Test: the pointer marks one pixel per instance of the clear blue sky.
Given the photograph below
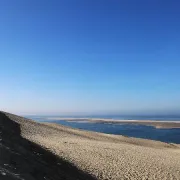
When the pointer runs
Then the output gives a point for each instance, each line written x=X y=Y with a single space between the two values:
x=90 y=56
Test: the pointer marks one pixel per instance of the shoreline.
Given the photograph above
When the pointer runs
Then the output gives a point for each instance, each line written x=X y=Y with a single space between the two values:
x=156 y=124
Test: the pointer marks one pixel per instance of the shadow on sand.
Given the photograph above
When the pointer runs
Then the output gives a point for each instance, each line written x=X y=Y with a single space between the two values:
x=24 y=160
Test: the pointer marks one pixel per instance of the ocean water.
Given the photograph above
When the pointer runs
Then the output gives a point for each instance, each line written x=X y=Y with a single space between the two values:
x=138 y=131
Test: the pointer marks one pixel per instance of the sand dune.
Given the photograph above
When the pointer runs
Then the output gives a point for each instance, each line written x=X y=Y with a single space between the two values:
x=105 y=156
x=21 y=159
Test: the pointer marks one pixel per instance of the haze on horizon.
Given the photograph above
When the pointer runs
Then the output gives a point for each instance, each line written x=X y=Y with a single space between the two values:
x=90 y=57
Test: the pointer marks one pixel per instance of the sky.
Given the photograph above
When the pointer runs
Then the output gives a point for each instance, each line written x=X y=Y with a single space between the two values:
x=93 y=56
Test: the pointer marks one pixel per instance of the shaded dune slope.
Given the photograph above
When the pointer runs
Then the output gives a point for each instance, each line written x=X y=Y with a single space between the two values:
x=22 y=159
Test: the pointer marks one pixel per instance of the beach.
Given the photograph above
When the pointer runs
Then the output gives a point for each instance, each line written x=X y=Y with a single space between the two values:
x=103 y=156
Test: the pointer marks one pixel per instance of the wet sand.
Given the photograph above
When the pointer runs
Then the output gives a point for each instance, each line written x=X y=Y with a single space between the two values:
x=104 y=156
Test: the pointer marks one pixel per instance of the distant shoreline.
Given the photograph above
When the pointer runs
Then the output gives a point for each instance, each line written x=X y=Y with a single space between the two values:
x=156 y=124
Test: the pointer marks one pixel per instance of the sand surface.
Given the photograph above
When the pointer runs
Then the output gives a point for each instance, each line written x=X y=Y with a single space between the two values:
x=21 y=159
x=105 y=156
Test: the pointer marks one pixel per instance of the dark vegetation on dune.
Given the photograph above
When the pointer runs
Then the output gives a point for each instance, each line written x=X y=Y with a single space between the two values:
x=23 y=160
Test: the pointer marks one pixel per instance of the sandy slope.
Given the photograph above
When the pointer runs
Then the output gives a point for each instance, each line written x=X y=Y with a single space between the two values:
x=106 y=156
x=21 y=159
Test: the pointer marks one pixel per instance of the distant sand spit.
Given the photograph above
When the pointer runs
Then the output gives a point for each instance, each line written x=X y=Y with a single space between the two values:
x=105 y=156
x=157 y=124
